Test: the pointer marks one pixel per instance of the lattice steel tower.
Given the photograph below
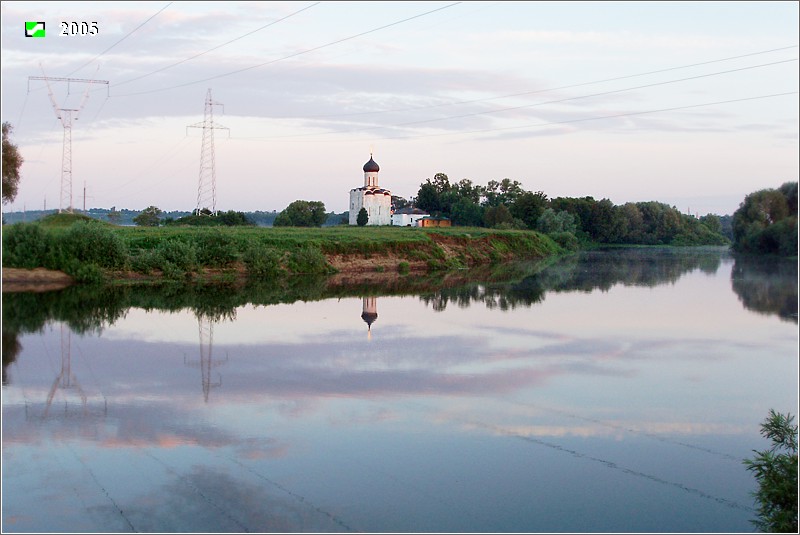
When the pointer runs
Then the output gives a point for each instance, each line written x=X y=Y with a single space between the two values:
x=66 y=116
x=205 y=326
x=207 y=183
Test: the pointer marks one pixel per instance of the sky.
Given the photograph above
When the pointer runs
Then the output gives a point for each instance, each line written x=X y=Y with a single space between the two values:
x=694 y=104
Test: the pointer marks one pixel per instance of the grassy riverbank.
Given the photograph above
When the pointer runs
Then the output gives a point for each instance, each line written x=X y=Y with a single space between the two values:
x=92 y=251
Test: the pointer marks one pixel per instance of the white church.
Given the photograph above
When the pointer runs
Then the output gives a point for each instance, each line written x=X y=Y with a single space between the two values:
x=376 y=200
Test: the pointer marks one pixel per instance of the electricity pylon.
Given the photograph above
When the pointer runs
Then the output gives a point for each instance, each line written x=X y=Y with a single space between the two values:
x=206 y=329
x=66 y=116
x=65 y=380
x=207 y=183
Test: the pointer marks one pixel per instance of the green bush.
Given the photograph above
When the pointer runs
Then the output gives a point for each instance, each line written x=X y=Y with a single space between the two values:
x=25 y=245
x=403 y=268
x=172 y=271
x=85 y=273
x=567 y=240
x=262 y=262
x=215 y=249
x=181 y=255
x=94 y=243
x=308 y=260
x=146 y=261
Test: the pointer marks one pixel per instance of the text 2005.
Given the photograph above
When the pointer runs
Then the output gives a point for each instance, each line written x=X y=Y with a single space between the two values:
x=79 y=28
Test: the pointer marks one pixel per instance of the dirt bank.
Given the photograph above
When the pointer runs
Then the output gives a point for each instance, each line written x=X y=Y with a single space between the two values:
x=34 y=280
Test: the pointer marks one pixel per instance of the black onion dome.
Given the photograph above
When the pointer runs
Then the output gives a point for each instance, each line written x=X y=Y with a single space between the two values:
x=369 y=318
x=371 y=166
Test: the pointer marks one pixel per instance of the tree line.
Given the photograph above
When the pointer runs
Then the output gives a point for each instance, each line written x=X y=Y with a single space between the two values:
x=569 y=220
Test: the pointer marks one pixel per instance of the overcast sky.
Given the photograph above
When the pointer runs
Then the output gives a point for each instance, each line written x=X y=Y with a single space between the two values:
x=689 y=103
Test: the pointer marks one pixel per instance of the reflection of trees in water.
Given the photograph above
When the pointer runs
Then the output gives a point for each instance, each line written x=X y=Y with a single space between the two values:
x=588 y=271
x=89 y=309
x=11 y=348
x=766 y=285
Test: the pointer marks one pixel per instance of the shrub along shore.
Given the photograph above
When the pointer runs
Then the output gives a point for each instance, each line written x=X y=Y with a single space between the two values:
x=92 y=251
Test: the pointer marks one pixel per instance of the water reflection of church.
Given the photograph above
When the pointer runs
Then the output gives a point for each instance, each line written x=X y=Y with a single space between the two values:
x=369 y=313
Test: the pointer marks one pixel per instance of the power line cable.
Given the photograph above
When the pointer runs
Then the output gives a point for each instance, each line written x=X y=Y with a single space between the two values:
x=218 y=46
x=118 y=42
x=627 y=114
x=512 y=108
x=533 y=92
x=555 y=123
x=158 y=162
x=24 y=102
x=338 y=41
x=557 y=101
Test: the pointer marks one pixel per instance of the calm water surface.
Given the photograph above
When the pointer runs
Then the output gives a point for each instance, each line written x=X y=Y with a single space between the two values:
x=614 y=392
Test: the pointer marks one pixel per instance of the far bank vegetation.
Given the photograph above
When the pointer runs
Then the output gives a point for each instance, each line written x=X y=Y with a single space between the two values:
x=93 y=251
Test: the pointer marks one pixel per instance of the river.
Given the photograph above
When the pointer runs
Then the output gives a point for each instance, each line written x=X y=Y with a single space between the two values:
x=611 y=391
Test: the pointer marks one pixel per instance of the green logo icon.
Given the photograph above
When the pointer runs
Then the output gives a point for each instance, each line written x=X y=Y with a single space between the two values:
x=34 y=29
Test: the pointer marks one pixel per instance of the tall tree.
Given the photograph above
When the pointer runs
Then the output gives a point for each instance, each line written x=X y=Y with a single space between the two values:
x=529 y=207
x=399 y=202
x=504 y=192
x=150 y=217
x=497 y=215
x=12 y=161
x=302 y=214
x=467 y=213
x=766 y=222
x=362 y=218
x=428 y=198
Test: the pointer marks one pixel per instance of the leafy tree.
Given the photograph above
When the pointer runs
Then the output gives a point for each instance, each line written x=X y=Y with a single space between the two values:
x=605 y=223
x=633 y=223
x=529 y=207
x=789 y=190
x=466 y=212
x=659 y=221
x=712 y=222
x=12 y=161
x=428 y=198
x=233 y=219
x=362 y=218
x=150 y=217
x=399 y=202
x=766 y=222
x=302 y=214
x=775 y=470
x=580 y=208
x=441 y=182
x=552 y=222
x=504 y=192
x=494 y=216
x=467 y=190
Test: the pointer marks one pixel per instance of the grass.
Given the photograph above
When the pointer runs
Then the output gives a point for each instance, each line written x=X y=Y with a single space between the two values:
x=86 y=248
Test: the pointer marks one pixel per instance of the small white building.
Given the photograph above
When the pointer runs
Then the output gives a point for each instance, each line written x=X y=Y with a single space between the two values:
x=408 y=216
x=376 y=200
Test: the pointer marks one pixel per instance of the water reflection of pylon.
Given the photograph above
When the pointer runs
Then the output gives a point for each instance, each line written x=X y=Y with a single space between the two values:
x=206 y=329
x=66 y=380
